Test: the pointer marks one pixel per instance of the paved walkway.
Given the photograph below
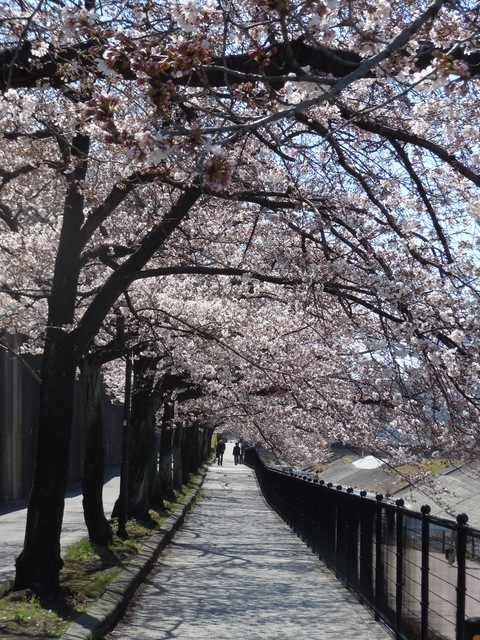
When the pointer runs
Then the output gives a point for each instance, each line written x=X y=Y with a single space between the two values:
x=13 y=520
x=236 y=571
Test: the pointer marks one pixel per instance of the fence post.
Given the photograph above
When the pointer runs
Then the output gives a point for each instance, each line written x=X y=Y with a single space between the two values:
x=399 y=573
x=366 y=550
x=462 y=520
x=339 y=534
x=352 y=541
x=425 y=509
x=379 y=578
x=332 y=525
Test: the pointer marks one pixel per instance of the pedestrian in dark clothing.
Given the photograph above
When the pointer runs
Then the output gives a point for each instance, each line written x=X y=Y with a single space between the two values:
x=236 y=452
x=220 y=451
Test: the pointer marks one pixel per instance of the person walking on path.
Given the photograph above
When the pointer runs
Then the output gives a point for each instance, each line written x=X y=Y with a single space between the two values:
x=236 y=453
x=220 y=451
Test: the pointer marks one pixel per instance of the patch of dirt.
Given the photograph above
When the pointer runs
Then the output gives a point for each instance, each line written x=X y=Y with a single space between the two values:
x=23 y=614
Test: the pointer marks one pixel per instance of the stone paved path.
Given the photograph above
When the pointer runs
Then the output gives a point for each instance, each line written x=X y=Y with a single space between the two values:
x=235 y=571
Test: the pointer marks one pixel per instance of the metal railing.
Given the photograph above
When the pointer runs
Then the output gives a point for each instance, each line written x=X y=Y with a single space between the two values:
x=418 y=574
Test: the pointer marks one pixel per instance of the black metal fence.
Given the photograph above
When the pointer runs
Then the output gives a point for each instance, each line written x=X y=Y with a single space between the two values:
x=418 y=574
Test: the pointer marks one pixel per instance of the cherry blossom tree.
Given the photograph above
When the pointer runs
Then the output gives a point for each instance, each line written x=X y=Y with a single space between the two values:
x=315 y=163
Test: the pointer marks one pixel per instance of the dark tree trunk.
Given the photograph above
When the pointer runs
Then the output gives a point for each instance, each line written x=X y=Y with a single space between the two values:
x=187 y=453
x=39 y=563
x=195 y=449
x=99 y=529
x=145 y=404
x=156 y=494
x=165 y=465
x=210 y=444
x=199 y=445
x=178 y=441
x=146 y=400
x=207 y=443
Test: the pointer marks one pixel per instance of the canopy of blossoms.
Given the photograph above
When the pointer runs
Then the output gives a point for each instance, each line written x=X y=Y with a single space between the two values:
x=319 y=278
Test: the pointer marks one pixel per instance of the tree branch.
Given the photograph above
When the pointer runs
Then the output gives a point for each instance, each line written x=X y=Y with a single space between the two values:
x=128 y=271
x=21 y=69
x=405 y=136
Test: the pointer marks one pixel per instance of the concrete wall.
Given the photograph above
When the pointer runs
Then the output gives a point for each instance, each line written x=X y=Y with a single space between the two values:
x=19 y=403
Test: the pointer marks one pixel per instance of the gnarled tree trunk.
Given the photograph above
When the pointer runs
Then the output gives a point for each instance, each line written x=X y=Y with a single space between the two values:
x=207 y=443
x=39 y=563
x=166 y=443
x=146 y=400
x=178 y=441
x=99 y=529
